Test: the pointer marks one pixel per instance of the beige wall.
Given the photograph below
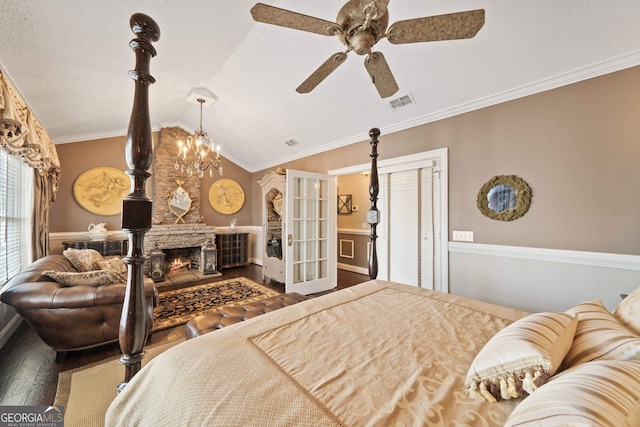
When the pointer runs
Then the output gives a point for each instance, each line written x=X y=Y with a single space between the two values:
x=75 y=158
x=577 y=146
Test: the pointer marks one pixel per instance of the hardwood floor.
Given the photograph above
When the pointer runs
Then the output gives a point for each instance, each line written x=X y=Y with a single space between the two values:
x=29 y=374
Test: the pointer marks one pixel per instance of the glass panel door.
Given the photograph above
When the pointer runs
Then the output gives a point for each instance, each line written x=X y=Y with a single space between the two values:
x=310 y=228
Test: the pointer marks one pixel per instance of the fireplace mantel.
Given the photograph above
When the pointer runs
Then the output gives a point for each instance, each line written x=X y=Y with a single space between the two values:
x=178 y=236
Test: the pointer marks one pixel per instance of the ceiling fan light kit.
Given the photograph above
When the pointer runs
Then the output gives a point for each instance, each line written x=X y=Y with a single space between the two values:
x=360 y=24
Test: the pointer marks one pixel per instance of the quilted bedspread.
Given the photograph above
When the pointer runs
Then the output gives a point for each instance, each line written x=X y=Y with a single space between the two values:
x=376 y=354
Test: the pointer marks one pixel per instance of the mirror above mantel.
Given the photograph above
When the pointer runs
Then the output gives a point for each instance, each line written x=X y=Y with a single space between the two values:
x=180 y=201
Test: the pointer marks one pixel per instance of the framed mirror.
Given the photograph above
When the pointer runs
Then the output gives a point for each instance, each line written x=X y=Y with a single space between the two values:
x=504 y=198
x=180 y=202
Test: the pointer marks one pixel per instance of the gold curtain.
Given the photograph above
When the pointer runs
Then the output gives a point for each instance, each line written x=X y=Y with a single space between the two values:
x=22 y=135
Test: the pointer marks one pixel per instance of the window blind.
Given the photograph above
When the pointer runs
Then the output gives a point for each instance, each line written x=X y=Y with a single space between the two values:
x=16 y=190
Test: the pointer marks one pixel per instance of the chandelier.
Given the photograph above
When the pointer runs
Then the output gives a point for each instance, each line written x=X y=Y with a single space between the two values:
x=193 y=156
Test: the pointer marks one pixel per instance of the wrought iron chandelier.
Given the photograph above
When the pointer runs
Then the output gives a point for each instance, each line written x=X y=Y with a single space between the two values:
x=193 y=156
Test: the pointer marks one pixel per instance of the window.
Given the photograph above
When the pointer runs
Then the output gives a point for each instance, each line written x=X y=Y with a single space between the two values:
x=16 y=198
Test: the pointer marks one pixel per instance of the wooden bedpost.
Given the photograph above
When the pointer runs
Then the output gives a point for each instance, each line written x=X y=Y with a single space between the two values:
x=137 y=206
x=373 y=214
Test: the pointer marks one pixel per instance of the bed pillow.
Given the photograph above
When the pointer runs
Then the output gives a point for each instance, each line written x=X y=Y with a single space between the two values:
x=600 y=336
x=521 y=357
x=602 y=393
x=85 y=278
x=628 y=311
x=83 y=259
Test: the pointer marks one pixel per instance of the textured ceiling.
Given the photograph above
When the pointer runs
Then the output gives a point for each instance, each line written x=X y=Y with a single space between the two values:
x=70 y=61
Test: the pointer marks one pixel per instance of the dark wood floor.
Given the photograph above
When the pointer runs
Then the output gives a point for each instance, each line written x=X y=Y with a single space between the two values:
x=29 y=374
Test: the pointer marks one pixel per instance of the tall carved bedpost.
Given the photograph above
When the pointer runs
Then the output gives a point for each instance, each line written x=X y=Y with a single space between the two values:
x=136 y=206
x=373 y=216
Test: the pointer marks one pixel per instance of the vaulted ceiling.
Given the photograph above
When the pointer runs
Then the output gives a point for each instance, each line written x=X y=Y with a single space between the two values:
x=70 y=59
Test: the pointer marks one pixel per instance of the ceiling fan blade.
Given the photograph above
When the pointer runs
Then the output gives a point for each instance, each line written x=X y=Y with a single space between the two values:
x=452 y=26
x=322 y=72
x=286 y=18
x=381 y=75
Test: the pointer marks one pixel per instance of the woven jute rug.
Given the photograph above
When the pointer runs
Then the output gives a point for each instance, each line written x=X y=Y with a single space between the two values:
x=87 y=392
x=181 y=305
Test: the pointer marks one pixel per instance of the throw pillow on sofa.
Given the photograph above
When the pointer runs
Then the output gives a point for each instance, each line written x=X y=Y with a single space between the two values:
x=83 y=259
x=115 y=265
x=85 y=278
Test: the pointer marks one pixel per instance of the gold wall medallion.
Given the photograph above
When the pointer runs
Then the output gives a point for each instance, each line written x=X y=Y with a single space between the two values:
x=226 y=196
x=101 y=190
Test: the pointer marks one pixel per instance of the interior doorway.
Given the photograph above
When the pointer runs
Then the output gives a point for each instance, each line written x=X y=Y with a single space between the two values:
x=413 y=229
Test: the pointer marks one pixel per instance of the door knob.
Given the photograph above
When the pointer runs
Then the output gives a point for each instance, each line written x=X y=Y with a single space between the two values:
x=289 y=240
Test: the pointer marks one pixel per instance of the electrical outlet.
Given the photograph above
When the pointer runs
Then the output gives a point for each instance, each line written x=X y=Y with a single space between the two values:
x=463 y=236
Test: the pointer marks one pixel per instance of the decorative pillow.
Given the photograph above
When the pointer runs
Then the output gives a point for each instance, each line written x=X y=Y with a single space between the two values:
x=83 y=259
x=600 y=393
x=113 y=263
x=599 y=336
x=628 y=311
x=521 y=357
x=86 y=278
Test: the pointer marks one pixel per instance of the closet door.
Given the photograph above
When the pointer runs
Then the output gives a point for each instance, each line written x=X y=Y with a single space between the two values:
x=311 y=232
x=410 y=226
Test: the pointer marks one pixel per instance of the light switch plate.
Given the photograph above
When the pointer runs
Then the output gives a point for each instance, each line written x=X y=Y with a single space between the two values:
x=463 y=236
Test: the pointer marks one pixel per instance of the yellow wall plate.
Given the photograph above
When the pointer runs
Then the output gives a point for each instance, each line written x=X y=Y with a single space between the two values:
x=101 y=190
x=226 y=196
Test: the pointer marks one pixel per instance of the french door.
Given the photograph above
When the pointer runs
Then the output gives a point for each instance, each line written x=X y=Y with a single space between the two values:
x=310 y=227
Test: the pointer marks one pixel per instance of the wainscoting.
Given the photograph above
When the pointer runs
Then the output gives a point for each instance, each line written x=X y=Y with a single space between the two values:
x=535 y=279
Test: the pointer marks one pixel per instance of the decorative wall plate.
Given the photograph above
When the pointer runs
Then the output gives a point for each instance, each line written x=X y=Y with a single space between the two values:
x=101 y=190
x=226 y=196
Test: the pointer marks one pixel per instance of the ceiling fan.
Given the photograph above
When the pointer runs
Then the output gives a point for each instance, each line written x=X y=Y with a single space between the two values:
x=360 y=25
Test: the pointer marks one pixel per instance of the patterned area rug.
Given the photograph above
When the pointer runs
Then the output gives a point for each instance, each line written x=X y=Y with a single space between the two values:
x=179 y=306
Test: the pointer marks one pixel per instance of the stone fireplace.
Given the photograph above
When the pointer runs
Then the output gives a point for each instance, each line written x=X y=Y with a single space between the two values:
x=164 y=175
x=182 y=246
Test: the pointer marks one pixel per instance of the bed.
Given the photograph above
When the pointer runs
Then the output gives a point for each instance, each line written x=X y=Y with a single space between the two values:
x=378 y=353
x=375 y=354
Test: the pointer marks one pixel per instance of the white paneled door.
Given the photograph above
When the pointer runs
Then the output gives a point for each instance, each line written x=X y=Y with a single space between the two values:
x=310 y=226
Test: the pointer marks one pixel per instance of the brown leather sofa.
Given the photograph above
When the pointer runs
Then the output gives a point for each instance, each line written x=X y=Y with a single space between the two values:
x=69 y=318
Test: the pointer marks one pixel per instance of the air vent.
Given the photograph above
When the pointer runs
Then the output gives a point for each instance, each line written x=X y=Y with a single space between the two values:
x=291 y=142
x=401 y=102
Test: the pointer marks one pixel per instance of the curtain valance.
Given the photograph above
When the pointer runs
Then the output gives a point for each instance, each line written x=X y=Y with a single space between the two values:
x=22 y=134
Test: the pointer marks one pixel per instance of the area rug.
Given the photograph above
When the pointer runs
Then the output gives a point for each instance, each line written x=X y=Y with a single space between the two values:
x=179 y=306
x=87 y=392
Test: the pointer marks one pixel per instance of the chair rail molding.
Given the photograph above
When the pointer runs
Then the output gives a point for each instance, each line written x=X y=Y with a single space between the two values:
x=596 y=259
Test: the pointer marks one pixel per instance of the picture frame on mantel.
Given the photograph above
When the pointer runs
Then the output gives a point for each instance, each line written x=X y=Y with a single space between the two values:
x=345 y=204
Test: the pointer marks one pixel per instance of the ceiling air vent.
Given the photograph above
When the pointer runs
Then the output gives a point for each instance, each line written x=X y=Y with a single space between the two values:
x=291 y=142
x=403 y=101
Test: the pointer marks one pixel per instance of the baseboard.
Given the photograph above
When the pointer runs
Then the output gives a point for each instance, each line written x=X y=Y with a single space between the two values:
x=596 y=259
x=10 y=329
x=353 y=268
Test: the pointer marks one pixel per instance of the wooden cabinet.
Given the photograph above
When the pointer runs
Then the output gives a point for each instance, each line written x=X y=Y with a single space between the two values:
x=232 y=249
x=273 y=259
x=107 y=247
